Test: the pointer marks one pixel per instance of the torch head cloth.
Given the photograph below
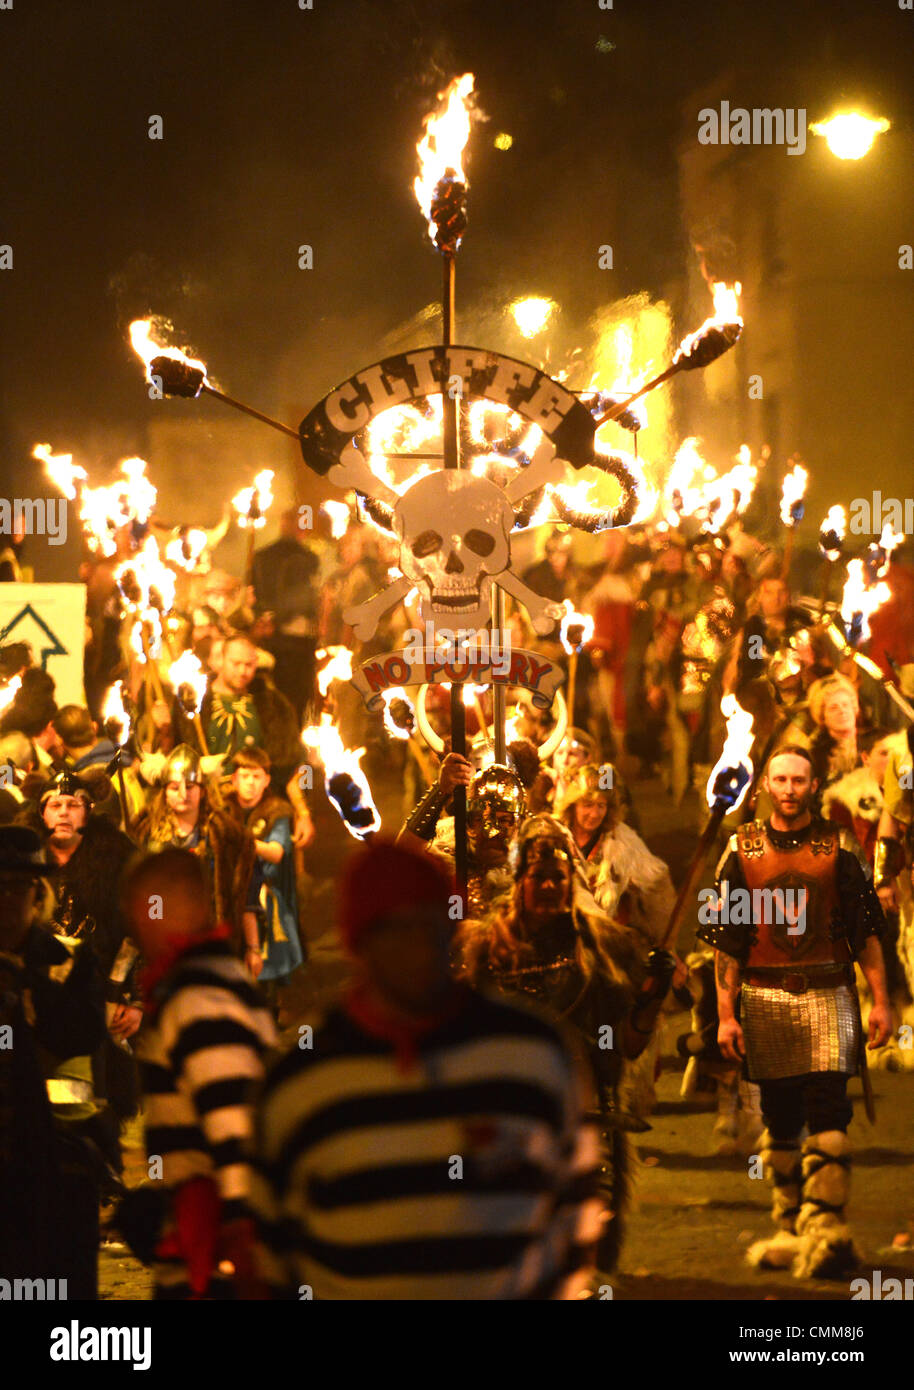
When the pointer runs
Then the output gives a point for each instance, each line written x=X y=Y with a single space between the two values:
x=384 y=879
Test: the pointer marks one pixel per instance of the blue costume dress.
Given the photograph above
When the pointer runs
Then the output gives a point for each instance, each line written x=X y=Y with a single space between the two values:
x=276 y=896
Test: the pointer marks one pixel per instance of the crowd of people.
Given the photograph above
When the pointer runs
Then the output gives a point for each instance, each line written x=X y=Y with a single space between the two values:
x=457 y=1119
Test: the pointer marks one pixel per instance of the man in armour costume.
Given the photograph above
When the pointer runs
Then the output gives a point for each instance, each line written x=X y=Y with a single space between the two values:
x=495 y=808
x=795 y=909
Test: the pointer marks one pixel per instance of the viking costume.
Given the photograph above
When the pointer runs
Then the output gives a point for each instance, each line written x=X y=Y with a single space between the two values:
x=634 y=888
x=496 y=802
x=273 y=885
x=580 y=969
x=225 y=847
x=101 y=1091
x=812 y=910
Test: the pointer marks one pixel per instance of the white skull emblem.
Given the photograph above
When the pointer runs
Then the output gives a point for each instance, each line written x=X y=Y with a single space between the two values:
x=453 y=531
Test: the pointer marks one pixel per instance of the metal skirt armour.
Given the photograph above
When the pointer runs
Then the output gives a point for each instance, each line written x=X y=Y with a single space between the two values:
x=791 y=1034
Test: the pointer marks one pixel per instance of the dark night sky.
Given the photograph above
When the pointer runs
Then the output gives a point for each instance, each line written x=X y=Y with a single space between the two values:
x=283 y=126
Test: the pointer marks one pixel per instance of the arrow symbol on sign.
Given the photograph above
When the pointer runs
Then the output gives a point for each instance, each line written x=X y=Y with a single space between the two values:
x=36 y=633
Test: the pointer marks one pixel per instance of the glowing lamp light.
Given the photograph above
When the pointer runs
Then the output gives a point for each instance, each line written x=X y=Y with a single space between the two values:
x=850 y=134
x=532 y=314
x=503 y=141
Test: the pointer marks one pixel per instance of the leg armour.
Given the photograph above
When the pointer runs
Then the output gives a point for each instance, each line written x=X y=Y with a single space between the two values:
x=826 y=1247
x=782 y=1164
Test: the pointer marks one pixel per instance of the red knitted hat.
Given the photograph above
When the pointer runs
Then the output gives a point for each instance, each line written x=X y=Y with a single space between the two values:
x=384 y=878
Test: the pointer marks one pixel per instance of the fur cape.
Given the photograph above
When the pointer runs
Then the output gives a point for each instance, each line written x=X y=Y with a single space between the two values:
x=628 y=866
x=227 y=850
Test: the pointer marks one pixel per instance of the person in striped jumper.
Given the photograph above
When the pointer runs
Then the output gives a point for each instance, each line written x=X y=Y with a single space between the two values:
x=207 y=1029
x=423 y=1141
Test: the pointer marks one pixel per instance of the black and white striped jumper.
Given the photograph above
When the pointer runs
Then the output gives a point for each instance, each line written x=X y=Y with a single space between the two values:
x=470 y=1175
x=200 y=1058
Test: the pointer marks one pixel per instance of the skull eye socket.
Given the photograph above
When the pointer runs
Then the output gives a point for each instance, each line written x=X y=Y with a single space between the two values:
x=480 y=542
x=426 y=543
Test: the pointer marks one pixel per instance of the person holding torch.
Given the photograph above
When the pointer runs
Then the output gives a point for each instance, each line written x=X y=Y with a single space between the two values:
x=794 y=908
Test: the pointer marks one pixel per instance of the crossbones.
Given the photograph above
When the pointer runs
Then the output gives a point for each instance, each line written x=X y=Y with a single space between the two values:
x=454 y=532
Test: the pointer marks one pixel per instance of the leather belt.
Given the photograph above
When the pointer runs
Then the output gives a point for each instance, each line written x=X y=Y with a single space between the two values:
x=799 y=981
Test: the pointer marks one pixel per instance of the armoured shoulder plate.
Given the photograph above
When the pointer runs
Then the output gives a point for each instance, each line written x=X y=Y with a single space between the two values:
x=824 y=840
x=751 y=839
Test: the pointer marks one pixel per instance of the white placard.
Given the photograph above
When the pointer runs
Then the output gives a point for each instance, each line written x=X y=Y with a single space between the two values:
x=52 y=619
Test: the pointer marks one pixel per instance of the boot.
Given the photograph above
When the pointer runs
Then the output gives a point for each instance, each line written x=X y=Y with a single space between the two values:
x=826 y=1249
x=781 y=1158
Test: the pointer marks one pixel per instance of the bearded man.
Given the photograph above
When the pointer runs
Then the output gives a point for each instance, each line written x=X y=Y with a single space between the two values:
x=795 y=909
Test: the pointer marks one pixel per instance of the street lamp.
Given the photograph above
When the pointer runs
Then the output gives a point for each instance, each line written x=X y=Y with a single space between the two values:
x=850 y=134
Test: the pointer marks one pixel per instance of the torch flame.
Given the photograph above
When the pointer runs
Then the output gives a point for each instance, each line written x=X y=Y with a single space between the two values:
x=396 y=692
x=251 y=503
x=835 y=521
x=324 y=739
x=115 y=711
x=441 y=148
x=792 y=492
x=8 y=692
x=61 y=469
x=860 y=600
x=145 y=346
x=578 y=620
x=339 y=515
x=726 y=315
x=735 y=752
x=338 y=668
x=188 y=673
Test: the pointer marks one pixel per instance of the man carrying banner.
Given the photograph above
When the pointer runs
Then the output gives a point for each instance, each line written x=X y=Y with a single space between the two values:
x=795 y=909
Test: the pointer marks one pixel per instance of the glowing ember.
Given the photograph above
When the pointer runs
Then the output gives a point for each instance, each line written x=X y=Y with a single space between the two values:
x=792 y=494
x=346 y=783
x=732 y=773
x=61 y=469
x=251 y=503
x=338 y=668
x=532 y=314
x=576 y=629
x=441 y=148
x=176 y=373
x=188 y=678
x=850 y=134
x=860 y=600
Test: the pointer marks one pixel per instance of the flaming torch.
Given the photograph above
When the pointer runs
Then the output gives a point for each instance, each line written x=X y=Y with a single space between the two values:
x=172 y=373
x=188 y=680
x=793 y=491
x=727 y=786
x=441 y=191
x=400 y=723
x=251 y=504
x=575 y=632
x=345 y=782
x=61 y=470
x=831 y=544
x=116 y=724
x=699 y=349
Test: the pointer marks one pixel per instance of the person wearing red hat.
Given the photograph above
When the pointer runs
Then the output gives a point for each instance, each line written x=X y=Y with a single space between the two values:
x=422 y=1141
